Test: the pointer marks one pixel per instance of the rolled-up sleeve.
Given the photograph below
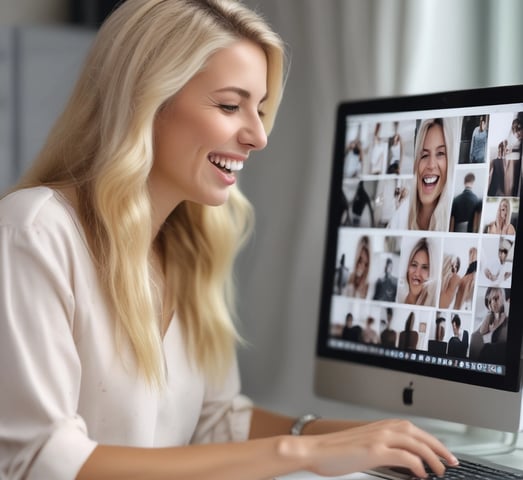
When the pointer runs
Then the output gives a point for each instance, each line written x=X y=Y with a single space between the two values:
x=41 y=435
x=226 y=413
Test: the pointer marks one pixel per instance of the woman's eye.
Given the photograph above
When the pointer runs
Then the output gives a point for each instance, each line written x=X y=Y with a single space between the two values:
x=229 y=108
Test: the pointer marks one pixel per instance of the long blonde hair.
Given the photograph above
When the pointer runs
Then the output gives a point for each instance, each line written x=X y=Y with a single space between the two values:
x=500 y=223
x=102 y=144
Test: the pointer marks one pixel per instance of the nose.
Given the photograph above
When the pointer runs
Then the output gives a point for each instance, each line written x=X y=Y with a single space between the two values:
x=253 y=134
x=431 y=163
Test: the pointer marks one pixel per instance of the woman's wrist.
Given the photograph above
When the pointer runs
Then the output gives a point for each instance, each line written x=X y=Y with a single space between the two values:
x=301 y=422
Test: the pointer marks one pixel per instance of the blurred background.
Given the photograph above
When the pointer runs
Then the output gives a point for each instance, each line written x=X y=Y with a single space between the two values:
x=339 y=50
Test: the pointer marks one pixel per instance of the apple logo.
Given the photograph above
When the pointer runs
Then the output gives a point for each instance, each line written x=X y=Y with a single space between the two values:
x=407 y=394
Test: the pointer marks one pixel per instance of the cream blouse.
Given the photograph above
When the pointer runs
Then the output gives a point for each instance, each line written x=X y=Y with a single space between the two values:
x=63 y=387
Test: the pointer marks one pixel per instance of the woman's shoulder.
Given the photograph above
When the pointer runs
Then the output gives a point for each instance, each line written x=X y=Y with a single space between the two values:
x=34 y=206
x=40 y=219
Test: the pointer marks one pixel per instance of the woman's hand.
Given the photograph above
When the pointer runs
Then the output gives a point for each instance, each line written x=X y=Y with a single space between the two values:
x=384 y=443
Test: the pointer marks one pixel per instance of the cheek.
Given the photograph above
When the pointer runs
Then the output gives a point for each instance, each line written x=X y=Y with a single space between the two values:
x=419 y=170
x=443 y=169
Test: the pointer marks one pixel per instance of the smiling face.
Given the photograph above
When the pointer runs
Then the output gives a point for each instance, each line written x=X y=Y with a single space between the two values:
x=432 y=167
x=206 y=132
x=418 y=272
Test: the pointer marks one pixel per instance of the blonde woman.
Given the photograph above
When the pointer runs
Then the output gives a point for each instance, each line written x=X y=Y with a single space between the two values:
x=428 y=204
x=419 y=285
x=358 y=283
x=501 y=225
x=116 y=332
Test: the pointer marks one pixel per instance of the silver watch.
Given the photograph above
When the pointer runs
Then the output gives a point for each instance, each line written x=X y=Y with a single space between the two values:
x=300 y=423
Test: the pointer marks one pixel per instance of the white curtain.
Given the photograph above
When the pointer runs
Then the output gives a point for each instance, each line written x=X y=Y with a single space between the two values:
x=341 y=49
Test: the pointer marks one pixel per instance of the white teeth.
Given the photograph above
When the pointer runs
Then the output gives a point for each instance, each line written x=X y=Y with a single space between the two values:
x=236 y=165
x=232 y=165
x=430 y=180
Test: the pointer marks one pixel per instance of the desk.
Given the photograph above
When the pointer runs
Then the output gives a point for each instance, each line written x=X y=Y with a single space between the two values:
x=310 y=476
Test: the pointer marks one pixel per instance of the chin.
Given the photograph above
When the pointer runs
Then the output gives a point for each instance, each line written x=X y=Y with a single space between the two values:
x=216 y=200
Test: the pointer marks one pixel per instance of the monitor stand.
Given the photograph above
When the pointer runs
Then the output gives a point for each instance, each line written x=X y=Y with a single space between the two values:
x=475 y=441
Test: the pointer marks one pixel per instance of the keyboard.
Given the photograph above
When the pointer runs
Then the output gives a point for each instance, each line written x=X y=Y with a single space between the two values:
x=468 y=469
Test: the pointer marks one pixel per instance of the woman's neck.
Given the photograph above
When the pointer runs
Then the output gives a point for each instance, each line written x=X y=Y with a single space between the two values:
x=424 y=216
x=412 y=298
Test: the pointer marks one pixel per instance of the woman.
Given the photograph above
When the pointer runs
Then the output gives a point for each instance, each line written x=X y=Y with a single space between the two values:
x=358 y=284
x=490 y=328
x=353 y=159
x=434 y=157
x=488 y=342
x=449 y=280
x=419 y=282
x=378 y=152
x=116 y=332
x=501 y=225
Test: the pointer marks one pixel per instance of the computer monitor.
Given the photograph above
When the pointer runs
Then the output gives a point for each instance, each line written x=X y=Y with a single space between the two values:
x=421 y=311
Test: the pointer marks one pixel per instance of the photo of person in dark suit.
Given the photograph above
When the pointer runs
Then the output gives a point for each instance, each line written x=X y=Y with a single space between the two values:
x=387 y=285
x=499 y=171
x=438 y=346
x=459 y=342
x=466 y=208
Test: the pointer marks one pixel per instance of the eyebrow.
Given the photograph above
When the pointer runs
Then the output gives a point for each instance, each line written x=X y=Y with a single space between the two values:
x=437 y=146
x=241 y=92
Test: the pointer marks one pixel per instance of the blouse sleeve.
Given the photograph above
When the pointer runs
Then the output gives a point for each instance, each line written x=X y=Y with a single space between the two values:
x=226 y=414
x=41 y=435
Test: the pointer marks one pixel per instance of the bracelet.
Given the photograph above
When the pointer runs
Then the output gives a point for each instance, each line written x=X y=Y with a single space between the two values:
x=300 y=423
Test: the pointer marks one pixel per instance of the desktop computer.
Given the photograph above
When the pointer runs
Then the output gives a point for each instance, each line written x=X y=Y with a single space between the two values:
x=421 y=312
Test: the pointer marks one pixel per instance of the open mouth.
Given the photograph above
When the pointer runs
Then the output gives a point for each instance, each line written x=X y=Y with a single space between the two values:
x=430 y=180
x=225 y=164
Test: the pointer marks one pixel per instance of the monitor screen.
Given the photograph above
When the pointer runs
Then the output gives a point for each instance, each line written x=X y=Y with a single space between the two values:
x=423 y=253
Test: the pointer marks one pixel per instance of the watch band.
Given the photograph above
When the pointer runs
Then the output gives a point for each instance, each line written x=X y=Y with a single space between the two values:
x=300 y=423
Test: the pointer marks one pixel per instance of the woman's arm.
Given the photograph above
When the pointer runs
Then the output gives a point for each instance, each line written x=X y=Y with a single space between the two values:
x=389 y=442
x=266 y=424
x=254 y=459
